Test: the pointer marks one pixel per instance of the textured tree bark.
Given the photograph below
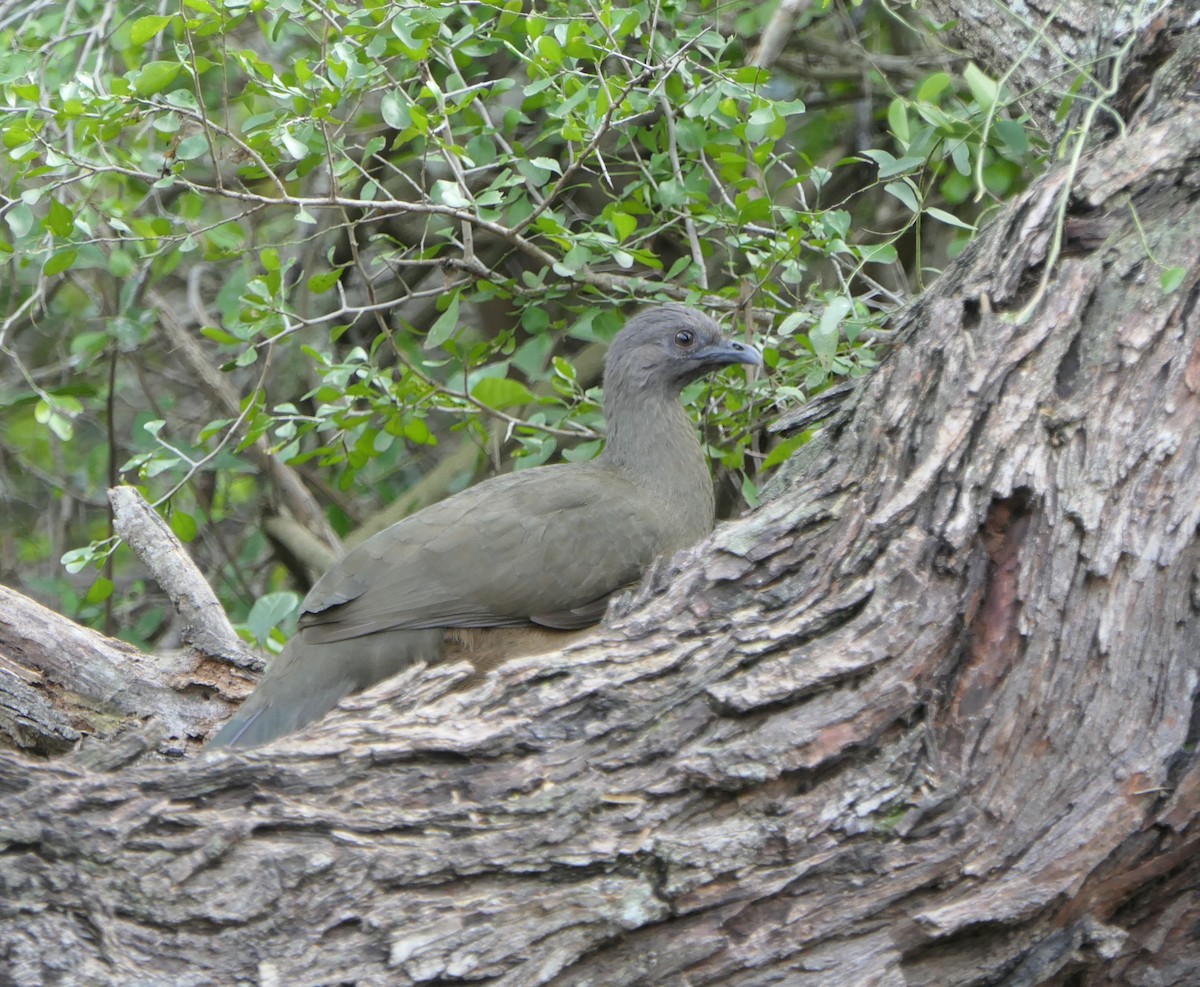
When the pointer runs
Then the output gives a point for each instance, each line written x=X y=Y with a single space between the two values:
x=927 y=717
x=1045 y=49
x=60 y=682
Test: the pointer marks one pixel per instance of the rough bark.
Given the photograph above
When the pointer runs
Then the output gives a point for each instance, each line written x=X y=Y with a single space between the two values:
x=1045 y=52
x=60 y=682
x=926 y=717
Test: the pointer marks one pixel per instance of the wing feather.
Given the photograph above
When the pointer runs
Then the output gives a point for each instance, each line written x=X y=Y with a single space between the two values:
x=548 y=546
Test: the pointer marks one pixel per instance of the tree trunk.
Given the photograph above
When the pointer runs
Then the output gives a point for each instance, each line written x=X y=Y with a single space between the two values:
x=924 y=718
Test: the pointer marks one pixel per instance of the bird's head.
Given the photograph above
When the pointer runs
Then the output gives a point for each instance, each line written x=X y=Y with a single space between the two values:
x=666 y=348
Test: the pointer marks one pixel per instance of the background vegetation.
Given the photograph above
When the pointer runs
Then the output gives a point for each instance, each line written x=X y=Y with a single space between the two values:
x=372 y=251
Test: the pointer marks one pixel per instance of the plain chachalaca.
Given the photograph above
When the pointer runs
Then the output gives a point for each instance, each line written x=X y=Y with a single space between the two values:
x=506 y=567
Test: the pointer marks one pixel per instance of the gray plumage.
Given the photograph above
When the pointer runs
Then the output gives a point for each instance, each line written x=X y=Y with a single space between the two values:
x=546 y=547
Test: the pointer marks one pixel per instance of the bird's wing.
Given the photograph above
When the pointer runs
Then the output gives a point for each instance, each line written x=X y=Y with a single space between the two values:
x=547 y=546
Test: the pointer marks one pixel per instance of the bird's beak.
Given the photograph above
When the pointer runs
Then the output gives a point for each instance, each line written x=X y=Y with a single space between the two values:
x=728 y=352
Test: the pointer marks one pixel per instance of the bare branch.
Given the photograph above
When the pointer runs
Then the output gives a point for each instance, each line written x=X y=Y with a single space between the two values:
x=205 y=625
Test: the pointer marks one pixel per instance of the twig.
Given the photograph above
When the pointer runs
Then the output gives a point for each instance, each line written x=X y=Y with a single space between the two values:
x=205 y=625
x=1068 y=182
x=689 y=224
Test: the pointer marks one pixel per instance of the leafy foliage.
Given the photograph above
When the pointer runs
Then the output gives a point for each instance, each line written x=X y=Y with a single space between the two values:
x=399 y=230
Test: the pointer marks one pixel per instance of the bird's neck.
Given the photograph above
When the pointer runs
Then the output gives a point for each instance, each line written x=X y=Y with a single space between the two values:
x=653 y=441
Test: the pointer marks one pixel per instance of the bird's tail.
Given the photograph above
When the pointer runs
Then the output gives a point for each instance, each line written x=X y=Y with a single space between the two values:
x=306 y=680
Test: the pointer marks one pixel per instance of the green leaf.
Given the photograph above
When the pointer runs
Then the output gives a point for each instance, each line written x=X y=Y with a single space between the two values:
x=269 y=612
x=905 y=192
x=950 y=220
x=184 y=525
x=89 y=344
x=512 y=10
x=1015 y=137
x=500 y=392
x=984 y=90
x=792 y=323
x=60 y=221
x=898 y=120
x=879 y=156
x=295 y=147
x=824 y=336
x=78 y=559
x=318 y=284
x=782 y=452
x=99 y=591
x=448 y=193
x=960 y=155
x=154 y=77
x=145 y=28
x=394 y=110
x=623 y=224
x=933 y=87
x=749 y=490
x=900 y=166
x=60 y=262
x=192 y=147
x=220 y=336
x=416 y=431
x=549 y=48
x=46 y=414
x=583 y=452
x=1171 y=278
x=120 y=263
x=573 y=261
x=878 y=253
x=414 y=47
x=536 y=175
x=998 y=177
x=19 y=219
x=445 y=326
x=547 y=164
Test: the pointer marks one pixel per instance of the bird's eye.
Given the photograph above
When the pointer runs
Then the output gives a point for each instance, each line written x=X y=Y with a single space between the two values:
x=685 y=337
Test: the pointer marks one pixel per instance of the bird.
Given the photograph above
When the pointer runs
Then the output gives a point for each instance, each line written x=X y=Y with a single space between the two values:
x=514 y=564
